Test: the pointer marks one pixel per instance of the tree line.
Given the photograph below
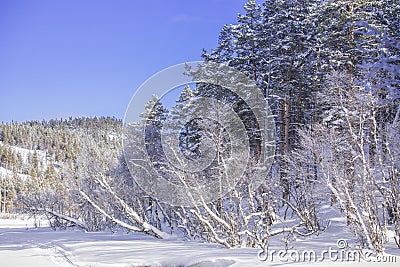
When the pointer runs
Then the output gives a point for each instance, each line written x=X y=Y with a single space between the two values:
x=330 y=73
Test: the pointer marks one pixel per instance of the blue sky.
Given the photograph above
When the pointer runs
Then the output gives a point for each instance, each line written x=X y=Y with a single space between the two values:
x=61 y=58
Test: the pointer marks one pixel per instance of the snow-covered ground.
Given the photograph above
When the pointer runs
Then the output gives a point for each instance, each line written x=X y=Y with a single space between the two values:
x=25 y=154
x=6 y=173
x=24 y=246
x=28 y=153
x=21 y=244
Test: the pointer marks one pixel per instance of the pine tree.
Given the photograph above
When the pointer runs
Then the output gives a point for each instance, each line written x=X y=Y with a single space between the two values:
x=35 y=162
x=190 y=133
x=224 y=53
x=248 y=45
x=154 y=116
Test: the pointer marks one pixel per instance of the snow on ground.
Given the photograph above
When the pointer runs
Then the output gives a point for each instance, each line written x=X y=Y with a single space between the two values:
x=45 y=247
x=5 y=172
x=25 y=154
x=28 y=153
x=23 y=245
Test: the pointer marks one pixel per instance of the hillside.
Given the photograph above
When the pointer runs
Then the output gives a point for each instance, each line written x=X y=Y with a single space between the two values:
x=286 y=136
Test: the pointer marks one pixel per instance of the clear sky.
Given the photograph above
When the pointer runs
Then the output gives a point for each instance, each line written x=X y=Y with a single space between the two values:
x=61 y=58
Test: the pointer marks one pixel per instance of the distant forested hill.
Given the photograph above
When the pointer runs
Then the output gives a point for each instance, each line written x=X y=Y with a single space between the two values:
x=330 y=73
x=37 y=158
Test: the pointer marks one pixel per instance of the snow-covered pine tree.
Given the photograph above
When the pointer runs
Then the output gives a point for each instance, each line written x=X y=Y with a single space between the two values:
x=154 y=116
x=224 y=52
x=189 y=134
x=289 y=79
